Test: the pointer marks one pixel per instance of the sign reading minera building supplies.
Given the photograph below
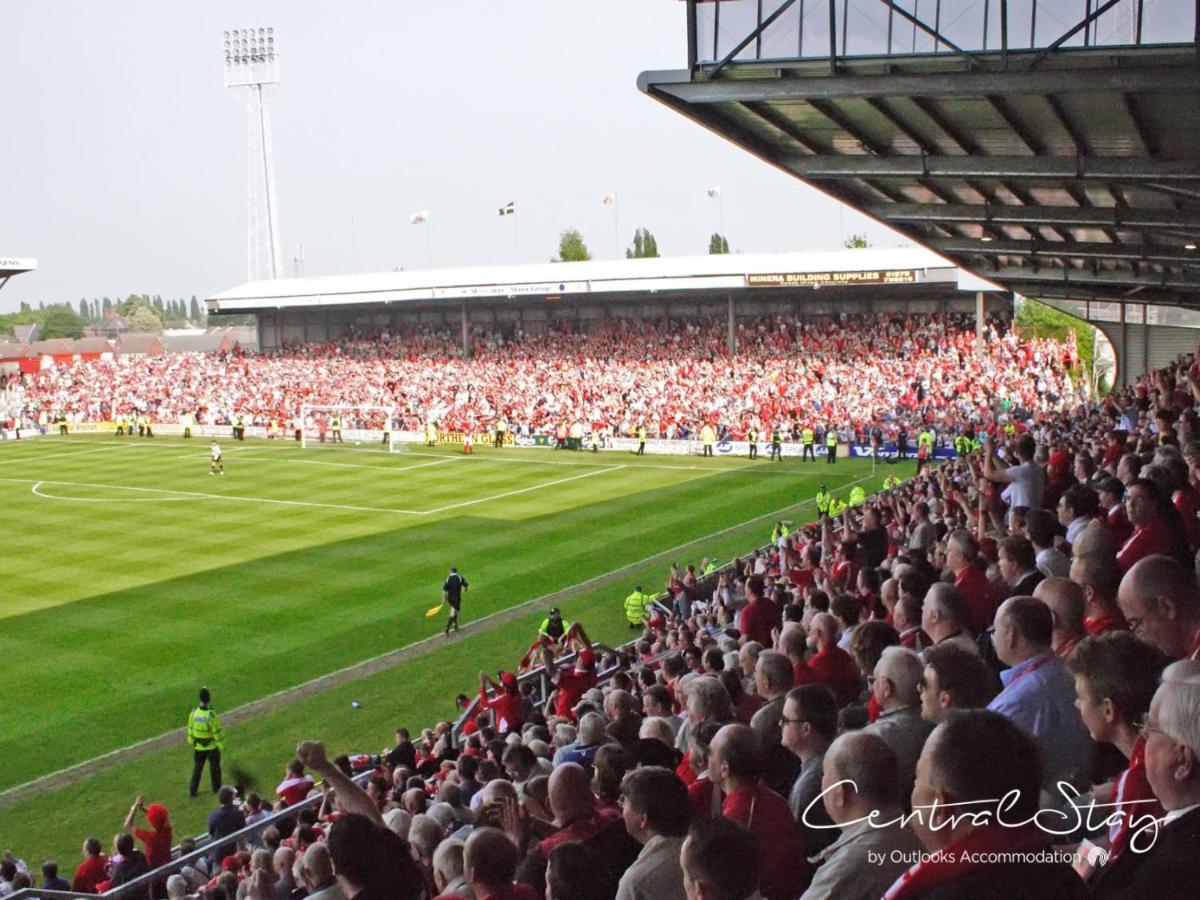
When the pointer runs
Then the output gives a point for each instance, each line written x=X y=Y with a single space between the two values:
x=813 y=279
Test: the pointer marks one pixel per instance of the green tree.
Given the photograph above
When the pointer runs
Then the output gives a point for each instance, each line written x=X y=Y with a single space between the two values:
x=717 y=244
x=571 y=247
x=143 y=319
x=856 y=242
x=60 y=321
x=644 y=245
x=25 y=307
x=194 y=309
x=107 y=305
x=84 y=312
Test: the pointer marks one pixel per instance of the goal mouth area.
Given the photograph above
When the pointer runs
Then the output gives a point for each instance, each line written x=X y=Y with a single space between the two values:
x=358 y=424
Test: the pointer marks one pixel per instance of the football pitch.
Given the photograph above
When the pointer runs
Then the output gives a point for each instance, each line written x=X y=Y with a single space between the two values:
x=130 y=577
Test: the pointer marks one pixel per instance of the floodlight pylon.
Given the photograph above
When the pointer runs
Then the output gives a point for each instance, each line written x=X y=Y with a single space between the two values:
x=251 y=66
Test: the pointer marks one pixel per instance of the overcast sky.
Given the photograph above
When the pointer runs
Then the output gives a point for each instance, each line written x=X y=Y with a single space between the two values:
x=124 y=156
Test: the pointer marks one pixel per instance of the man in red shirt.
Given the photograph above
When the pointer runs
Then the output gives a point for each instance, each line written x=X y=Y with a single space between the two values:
x=572 y=682
x=759 y=616
x=506 y=705
x=1151 y=533
x=490 y=860
x=830 y=665
x=735 y=766
x=1099 y=577
x=962 y=555
x=93 y=870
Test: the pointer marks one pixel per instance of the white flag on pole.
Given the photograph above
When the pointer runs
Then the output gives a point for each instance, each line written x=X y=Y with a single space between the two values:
x=714 y=191
x=418 y=217
x=609 y=199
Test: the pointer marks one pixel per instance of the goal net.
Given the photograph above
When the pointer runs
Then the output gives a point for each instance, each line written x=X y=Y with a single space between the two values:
x=332 y=425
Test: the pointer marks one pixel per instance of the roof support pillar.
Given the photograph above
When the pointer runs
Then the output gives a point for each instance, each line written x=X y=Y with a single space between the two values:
x=979 y=316
x=731 y=334
x=466 y=343
x=1123 y=363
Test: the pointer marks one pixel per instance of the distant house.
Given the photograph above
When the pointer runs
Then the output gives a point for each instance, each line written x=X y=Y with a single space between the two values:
x=59 y=350
x=18 y=356
x=91 y=348
x=113 y=325
x=139 y=344
x=26 y=334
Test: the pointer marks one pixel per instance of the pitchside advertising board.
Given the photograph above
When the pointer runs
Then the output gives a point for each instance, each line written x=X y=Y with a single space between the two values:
x=658 y=446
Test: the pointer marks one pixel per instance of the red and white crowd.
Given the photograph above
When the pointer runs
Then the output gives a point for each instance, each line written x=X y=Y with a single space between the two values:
x=669 y=376
x=984 y=683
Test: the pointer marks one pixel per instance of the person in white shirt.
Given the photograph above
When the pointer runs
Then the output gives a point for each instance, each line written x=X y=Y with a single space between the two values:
x=655 y=807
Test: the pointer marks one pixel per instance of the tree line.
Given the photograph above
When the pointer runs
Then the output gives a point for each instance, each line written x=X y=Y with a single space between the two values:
x=573 y=248
x=142 y=312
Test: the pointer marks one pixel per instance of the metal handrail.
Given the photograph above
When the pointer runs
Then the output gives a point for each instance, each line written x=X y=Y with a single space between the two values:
x=204 y=845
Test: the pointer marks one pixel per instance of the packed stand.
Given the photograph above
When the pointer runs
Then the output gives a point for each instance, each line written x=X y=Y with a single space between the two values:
x=851 y=372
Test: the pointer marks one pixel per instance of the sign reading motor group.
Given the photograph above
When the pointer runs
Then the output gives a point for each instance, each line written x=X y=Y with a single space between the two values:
x=816 y=279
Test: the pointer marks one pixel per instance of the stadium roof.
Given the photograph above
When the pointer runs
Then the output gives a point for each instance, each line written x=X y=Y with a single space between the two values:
x=692 y=276
x=11 y=265
x=1031 y=155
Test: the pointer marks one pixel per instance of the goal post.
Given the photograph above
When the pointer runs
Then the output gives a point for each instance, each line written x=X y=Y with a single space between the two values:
x=351 y=423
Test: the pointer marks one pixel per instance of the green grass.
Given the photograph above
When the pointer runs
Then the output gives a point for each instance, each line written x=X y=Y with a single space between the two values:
x=154 y=578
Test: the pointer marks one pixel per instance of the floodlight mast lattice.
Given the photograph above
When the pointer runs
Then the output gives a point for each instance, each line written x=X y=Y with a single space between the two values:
x=251 y=64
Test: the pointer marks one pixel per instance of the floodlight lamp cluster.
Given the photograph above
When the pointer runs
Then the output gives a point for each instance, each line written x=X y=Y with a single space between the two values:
x=248 y=46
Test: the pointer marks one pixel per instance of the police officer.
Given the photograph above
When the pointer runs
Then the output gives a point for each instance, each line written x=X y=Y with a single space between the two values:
x=752 y=440
x=857 y=495
x=776 y=444
x=336 y=427
x=205 y=738
x=553 y=627
x=641 y=436
x=707 y=438
x=452 y=590
x=831 y=442
x=823 y=500
x=635 y=607
x=806 y=444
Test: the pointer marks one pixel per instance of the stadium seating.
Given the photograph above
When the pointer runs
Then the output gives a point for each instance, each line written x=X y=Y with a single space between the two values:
x=670 y=376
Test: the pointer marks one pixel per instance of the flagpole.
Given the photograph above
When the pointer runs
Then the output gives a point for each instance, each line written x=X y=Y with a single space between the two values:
x=516 y=239
x=429 y=241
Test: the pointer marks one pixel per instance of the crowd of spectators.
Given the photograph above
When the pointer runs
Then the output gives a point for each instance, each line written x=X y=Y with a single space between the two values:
x=984 y=682
x=850 y=372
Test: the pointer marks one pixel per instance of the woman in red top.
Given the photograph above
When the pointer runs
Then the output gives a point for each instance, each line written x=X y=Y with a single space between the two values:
x=158 y=840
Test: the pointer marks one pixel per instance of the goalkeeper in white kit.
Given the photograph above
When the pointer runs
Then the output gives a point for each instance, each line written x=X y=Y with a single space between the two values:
x=217 y=465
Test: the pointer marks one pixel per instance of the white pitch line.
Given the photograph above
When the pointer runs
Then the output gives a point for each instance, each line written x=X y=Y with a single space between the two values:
x=199 y=495
x=322 y=462
x=67 y=453
x=35 y=490
x=524 y=490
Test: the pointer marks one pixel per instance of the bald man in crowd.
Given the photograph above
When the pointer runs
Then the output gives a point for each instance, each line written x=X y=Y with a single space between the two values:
x=1158 y=598
x=1064 y=599
x=860 y=780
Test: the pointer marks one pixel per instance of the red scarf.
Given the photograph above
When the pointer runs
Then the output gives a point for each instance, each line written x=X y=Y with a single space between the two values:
x=1133 y=786
x=952 y=862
